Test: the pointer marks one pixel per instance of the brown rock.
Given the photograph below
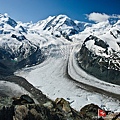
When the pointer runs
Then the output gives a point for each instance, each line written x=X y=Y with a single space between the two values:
x=112 y=116
x=20 y=112
x=90 y=111
x=63 y=104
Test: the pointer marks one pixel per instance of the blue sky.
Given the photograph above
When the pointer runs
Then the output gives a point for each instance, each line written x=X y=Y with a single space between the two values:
x=35 y=10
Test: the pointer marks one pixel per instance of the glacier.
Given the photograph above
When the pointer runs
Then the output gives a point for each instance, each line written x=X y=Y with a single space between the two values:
x=56 y=40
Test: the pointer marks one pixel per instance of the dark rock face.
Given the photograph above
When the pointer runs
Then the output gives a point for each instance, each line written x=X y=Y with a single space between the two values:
x=35 y=57
x=102 y=67
x=97 y=41
x=11 y=22
x=24 y=99
x=19 y=38
x=8 y=64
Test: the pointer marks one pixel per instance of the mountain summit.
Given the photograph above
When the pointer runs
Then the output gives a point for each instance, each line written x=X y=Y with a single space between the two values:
x=6 y=19
x=60 y=25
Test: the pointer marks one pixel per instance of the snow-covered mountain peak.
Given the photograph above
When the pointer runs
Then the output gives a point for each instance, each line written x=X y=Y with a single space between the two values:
x=8 y=25
x=58 y=17
x=59 y=26
x=63 y=19
x=54 y=21
x=62 y=16
x=6 y=19
x=5 y=15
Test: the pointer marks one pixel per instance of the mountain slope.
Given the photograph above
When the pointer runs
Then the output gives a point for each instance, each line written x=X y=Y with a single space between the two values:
x=15 y=47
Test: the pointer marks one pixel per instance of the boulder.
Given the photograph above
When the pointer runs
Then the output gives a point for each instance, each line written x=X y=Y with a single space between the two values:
x=90 y=111
x=23 y=99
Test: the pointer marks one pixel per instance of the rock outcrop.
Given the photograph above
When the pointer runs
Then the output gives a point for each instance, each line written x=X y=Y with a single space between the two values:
x=98 y=59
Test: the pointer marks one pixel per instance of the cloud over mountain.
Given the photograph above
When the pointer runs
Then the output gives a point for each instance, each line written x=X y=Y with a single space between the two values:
x=99 y=17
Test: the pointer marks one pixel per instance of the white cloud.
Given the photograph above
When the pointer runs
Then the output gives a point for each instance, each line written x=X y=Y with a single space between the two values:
x=99 y=17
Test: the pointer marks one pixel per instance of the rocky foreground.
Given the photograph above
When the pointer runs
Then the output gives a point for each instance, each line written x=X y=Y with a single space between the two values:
x=22 y=109
x=40 y=107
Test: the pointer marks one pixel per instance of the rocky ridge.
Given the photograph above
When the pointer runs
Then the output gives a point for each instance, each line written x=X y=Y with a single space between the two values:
x=97 y=58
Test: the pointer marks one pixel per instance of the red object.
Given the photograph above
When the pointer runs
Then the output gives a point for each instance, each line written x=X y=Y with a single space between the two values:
x=101 y=113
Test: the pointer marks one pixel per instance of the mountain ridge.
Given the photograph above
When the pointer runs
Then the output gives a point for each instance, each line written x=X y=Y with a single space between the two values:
x=20 y=40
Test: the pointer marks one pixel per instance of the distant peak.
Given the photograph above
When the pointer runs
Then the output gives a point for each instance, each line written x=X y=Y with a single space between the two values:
x=61 y=16
x=50 y=17
x=6 y=15
x=6 y=19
